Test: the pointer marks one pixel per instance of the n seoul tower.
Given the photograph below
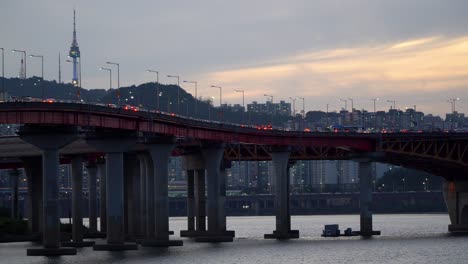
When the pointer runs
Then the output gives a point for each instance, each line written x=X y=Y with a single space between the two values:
x=75 y=55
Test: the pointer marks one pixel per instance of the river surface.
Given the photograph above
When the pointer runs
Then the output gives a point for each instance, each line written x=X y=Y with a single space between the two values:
x=418 y=238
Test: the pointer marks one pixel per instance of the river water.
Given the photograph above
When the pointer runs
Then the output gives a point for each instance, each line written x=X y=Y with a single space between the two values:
x=418 y=238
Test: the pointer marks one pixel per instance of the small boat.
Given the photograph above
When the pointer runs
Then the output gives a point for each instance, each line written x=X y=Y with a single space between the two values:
x=331 y=231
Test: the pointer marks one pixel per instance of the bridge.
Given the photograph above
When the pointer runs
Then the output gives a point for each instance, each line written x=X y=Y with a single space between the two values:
x=129 y=149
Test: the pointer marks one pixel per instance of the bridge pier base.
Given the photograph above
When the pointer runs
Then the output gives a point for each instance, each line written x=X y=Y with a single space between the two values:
x=160 y=150
x=365 y=198
x=216 y=182
x=114 y=146
x=49 y=140
x=283 y=216
x=456 y=198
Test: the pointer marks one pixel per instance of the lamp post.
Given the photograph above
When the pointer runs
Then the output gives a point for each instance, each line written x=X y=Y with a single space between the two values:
x=157 y=87
x=453 y=102
x=220 y=93
x=178 y=90
x=243 y=102
x=352 y=104
x=110 y=75
x=375 y=112
x=42 y=71
x=3 y=74
x=271 y=97
x=293 y=105
x=24 y=52
x=345 y=103
x=394 y=103
x=118 y=78
x=194 y=82
x=303 y=105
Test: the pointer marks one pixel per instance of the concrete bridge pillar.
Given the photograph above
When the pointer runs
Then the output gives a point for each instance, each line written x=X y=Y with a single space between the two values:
x=190 y=200
x=114 y=144
x=33 y=170
x=160 y=150
x=196 y=212
x=14 y=180
x=92 y=197
x=49 y=139
x=365 y=198
x=200 y=200
x=77 y=205
x=150 y=196
x=216 y=183
x=283 y=230
x=101 y=170
x=456 y=198
x=143 y=199
x=136 y=201
x=130 y=196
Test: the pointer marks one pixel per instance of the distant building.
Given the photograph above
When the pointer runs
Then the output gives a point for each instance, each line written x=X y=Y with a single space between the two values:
x=281 y=108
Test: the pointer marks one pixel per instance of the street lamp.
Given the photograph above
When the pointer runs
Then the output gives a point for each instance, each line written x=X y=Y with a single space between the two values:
x=394 y=103
x=118 y=78
x=220 y=93
x=110 y=75
x=3 y=74
x=303 y=105
x=293 y=105
x=178 y=90
x=375 y=99
x=243 y=102
x=194 y=82
x=271 y=97
x=352 y=104
x=42 y=71
x=345 y=103
x=24 y=52
x=157 y=87
x=453 y=102
x=375 y=113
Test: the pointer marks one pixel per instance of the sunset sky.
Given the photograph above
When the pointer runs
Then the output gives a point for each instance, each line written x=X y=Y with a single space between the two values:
x=414 y=52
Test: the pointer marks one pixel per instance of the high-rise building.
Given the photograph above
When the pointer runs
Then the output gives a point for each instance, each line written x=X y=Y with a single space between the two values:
x=75 y=55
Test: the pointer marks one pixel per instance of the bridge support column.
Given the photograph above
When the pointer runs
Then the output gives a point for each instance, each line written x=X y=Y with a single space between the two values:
x=150 y=196
x=196 y=215
x=216 y=182
x=114 y=144
x=283 y=230
x=160 y=150
x=92 y=199
x=33 y=170
x=456 y=198
x=77 y=205
x=365 y=198
x=14 y=179
x=190 y=200
x=130 y=196
x=136 y=201
x=200 y=201
x=49 y=140
x=143 y=199
x=101 y=169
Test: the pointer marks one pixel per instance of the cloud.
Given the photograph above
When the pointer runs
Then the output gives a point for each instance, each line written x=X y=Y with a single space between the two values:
x=423 y=66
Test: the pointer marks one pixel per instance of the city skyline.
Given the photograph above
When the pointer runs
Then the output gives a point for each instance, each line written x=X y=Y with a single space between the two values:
x=417 y=59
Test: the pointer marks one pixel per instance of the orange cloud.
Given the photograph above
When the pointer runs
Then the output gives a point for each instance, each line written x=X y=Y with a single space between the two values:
x=420 y=65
